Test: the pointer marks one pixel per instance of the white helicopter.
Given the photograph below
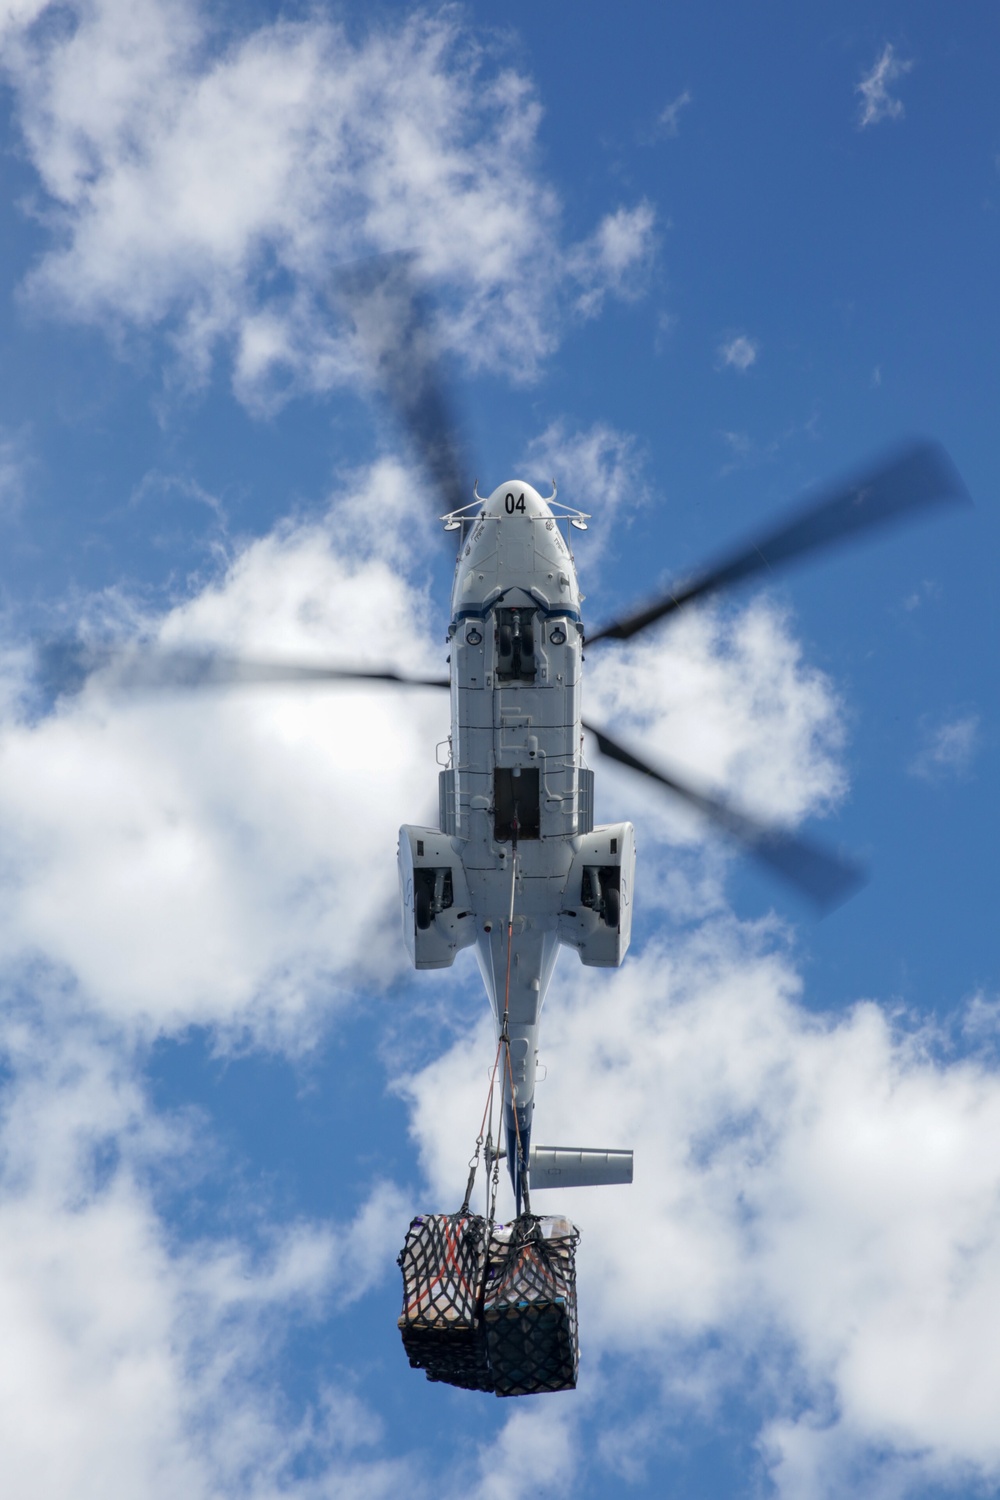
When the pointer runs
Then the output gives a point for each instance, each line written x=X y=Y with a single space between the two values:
x=517 y=867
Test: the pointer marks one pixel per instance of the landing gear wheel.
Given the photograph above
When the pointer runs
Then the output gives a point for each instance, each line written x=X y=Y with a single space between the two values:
x=612 y=906
x=422 y=907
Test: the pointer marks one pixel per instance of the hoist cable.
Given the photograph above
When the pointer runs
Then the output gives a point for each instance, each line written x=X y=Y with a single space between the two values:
x=504 y=1033
x=487 y=1110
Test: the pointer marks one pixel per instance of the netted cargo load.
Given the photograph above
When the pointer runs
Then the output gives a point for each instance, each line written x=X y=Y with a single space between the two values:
x=443 y=1264
x=529 y=1306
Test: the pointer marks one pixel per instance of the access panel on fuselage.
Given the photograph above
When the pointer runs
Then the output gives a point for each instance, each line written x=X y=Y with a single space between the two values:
x=516 y=705
x=536 y=723
x=515 y=803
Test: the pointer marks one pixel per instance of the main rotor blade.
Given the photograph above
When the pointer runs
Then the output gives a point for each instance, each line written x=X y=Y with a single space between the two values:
x=920 y=475
x=392 y=315
x=824 y=877
x=65 y=666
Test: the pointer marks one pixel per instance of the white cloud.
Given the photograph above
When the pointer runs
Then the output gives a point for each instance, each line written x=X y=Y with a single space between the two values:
x=949 y=749
x=211 y=184
x=131 y=1366
x=19 y=13
x=876 y=101
x=813 y=1221
x=534 y=1448
x=668 y=120
x=727 y=698
x=196 y=858
x=616 y=258
x=739 y=352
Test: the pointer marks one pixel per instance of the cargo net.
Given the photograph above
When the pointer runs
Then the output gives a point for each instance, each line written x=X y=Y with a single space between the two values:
x=529 y=1306
x=491 y=1309
x=443 y=1263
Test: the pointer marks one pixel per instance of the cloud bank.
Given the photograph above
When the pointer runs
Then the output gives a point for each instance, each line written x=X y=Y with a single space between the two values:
x=209 y=184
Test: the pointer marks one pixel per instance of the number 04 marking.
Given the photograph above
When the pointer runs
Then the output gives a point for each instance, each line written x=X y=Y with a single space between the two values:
x=511 y=505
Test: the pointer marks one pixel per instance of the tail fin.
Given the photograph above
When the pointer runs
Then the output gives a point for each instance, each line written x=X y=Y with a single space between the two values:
x=565 y=1166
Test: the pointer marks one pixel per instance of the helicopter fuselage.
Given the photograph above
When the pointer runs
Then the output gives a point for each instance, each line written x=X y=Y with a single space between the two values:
x=516 y=836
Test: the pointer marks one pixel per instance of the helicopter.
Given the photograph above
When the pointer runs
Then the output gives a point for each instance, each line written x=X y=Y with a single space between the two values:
x=516 y=867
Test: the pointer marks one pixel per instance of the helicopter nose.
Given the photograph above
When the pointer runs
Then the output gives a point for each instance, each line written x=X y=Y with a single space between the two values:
x=515 y=498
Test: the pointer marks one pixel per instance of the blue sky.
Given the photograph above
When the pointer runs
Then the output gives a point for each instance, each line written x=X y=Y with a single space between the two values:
x=690 y=262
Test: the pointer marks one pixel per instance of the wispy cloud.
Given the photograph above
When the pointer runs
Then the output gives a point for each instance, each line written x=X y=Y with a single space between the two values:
x=928 y=591
x=950 y=749
x=668 y=121
x=747 y=452
x=152 y=1361
x=738 y=353
x=877 y=103
x=616 y=258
